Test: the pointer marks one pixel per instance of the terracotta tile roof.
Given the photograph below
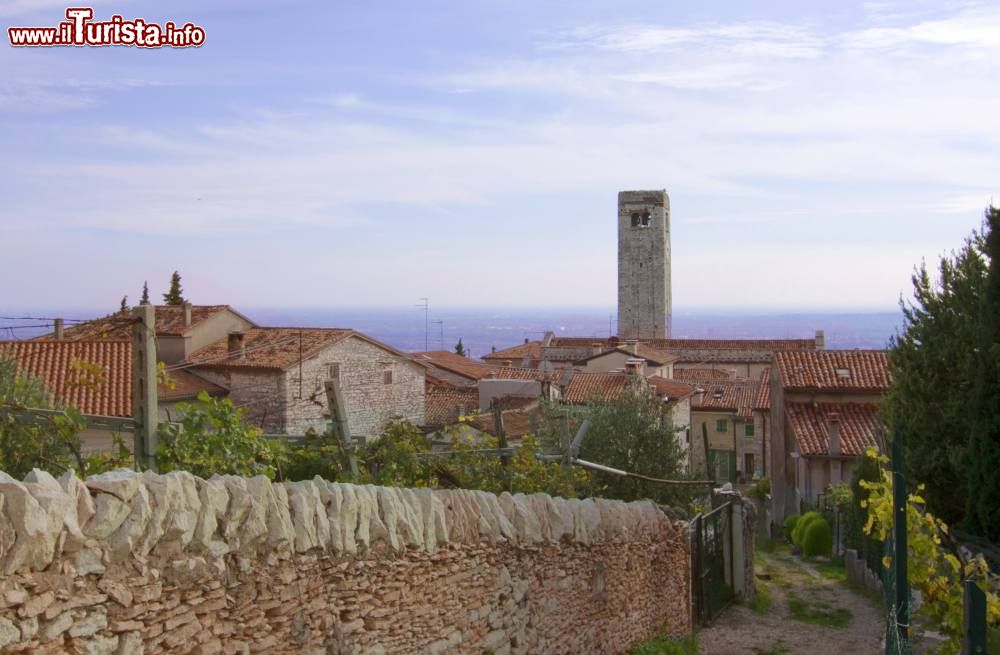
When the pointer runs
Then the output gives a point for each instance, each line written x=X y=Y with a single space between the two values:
x=728 y=395
x=763 y=400
x=443 y=407
x=274 y=348
x=516 y=353
x=584 y=387
x=453 y=363
x=107 y=393
x=169 y=322
x=516 y=422
x=671 y=389
x=834 y=370
x=698 y=374
x=656 y=357
x=810 y=423
x=510 y=373
x=771 y=345
x=187 y=386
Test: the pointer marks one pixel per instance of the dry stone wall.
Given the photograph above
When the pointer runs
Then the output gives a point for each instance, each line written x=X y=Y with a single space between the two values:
x=125 y=563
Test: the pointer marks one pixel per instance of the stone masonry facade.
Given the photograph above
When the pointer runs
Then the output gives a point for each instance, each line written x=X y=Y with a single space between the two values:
x=644 y=303
x=125 y=563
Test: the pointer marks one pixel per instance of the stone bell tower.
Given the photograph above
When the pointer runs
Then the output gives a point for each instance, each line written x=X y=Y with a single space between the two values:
x=643 y=265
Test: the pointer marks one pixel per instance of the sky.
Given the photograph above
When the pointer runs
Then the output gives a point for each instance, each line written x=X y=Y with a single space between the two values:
x=336 y=153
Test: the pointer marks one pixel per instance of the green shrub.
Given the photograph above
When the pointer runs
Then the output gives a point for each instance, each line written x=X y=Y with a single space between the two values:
x=761 y=489
x=817 y=538
x=790 y=522
x=801 y=525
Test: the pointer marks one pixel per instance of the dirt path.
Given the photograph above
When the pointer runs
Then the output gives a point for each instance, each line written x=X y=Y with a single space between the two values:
x=808 y=613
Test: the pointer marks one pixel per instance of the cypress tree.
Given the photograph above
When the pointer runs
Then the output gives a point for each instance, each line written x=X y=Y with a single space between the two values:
x=982 y=516
x=459 y=348
x=124 y=306
x=145 y=294
x=174 y=297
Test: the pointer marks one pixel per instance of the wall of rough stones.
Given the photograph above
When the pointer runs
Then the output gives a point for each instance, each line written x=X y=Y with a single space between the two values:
x=142 y=563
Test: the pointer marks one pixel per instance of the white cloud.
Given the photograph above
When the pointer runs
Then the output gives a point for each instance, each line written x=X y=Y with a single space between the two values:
x=974 y=28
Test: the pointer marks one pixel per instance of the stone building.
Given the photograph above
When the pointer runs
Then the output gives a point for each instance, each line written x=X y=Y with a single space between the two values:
x=824 y=415
x=643 y=265
x=180 y=329
x=729 y=415
x=277 y=375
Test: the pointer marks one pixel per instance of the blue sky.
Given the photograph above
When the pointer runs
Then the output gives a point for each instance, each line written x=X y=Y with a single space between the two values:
x=374 y=153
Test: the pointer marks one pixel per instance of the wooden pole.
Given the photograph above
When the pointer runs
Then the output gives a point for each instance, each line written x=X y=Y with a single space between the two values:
x=338 y=421
x=145 y=412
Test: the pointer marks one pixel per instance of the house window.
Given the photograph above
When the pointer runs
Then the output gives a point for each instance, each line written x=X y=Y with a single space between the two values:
x=749 y=429
x=721 y=425
x=333 y=372
x=748 y=464
x=387 y=376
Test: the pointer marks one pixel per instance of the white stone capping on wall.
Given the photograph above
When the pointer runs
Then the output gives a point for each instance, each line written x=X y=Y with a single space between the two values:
x=128 y=518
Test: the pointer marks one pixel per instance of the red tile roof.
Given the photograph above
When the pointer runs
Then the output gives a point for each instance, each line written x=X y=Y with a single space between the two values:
x=810 y=423
x=772 y=345
x=516 y=422
x=449 y=361
x=443 y=407
x=187 y=386
x=584 y=387
x=671 y=389
x=727 y=395
x=834 y=370
x=656 y=357
x=763 y=400
x=698 y=374
x=169 y=322
x=516 y=353
x=95 y=377
x=511 y=373
x=274 y=348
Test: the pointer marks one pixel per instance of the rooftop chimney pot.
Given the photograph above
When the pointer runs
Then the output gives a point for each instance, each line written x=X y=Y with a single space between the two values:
x=187 y=314
x=60 y=334
x=820 y=340
x=236 y=348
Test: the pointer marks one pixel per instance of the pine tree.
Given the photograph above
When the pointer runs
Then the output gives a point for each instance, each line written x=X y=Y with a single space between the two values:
x=459 y=348
x=982 y=517
x=124 y=306
x=174 y=297
x=145 y=294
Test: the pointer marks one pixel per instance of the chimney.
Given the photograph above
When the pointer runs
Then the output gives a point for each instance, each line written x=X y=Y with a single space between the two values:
x=506 y=363
x=236 y=350
x=633 y=346
x=58 y=323
x=833 y=418
x=634 y=366
x=699 y=397
x=526 y=340
x=820 y=340
x=187 y=314
x=493 y=349
x=596 y=348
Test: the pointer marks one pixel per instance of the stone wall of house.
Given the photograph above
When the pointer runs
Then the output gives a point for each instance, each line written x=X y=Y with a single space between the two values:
x=140 y=563
x=371 y=402
x=259 y=392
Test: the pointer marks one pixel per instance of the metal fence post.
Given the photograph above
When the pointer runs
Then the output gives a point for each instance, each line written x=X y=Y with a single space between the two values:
x=974 y=637
x=899 y=502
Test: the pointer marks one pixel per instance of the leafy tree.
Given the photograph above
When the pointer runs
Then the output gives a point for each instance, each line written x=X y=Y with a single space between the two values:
x=931 y=568
x=633 y=434
x=145 y=294
x=459 y=348
x=213 y=437
x=51 y=441
x=124 y=305
x=982 y=517
x=933 y=363
x=175 y=295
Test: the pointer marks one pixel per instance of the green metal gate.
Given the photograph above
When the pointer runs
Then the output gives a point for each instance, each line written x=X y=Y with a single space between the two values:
x=711 y=562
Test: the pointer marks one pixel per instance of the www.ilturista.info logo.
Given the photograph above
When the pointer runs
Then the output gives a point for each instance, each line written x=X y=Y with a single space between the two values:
x=81 y=30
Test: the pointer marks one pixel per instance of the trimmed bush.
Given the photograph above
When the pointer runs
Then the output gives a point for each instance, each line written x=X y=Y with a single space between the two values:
x=800 y=527
x=790 y=522
x=817 y=538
